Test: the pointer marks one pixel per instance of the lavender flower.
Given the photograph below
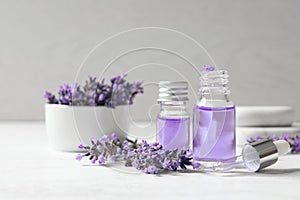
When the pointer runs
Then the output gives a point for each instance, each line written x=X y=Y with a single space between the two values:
x=196 y=165
x=152 y=169
x=151 y=158
x=97 y=93
x=293 y=141
x=51 y=98
x=208 y=68
x=79 y=157
x=122 y=92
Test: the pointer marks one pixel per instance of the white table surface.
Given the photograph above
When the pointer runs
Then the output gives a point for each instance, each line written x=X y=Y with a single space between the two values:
x=30 y=170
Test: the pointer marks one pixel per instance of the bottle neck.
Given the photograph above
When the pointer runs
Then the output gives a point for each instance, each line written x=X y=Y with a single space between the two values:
x=174 y=109
x=214 y=100
x=214 y=90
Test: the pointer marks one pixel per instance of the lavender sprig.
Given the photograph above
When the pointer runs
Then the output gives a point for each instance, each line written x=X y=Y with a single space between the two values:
x=106 y=148
x=97 y=93
x=293 y=141
x=150 y=158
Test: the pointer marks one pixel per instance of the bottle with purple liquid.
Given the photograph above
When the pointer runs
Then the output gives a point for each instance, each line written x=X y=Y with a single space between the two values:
x=214 y=118
x=173 y=121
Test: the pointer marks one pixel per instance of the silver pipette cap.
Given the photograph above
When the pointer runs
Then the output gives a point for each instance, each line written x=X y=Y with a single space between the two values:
x=263 y=153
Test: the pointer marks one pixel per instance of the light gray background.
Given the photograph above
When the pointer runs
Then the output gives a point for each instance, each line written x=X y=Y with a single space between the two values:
x=42 y=44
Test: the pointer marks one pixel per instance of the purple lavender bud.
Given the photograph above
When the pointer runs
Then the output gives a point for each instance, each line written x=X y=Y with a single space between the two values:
x=297 y=140
x=135 y=164
x=274 y=137
x=296 y=145
x=113 y=158
x=211 y=68
x=130 y=153
x=151 y=170
x=114 y=87
x=144 y=143
x=101 y=97
x=208 y=68
x=66 y=86
x=285 y=137
x=91 y=102
x=119 y=150
x=250 y=140
x=47 y=95
x=125 y=143
x=104 y=139
x=114 y=136
x=195 y=165
x=258 y=138
x=51 y=98
x=115 y=79
x=175 y=164
x=80 y=146
x=189 y=153
x=73 y=88
x=166 y=164
x=79 y=157
x=126 y=146
x=123 y=75
x=101 y=160
x=91 y=93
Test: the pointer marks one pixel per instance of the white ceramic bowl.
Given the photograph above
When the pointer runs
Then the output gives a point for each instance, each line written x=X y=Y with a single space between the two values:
x=69 y=126
x=263 y=116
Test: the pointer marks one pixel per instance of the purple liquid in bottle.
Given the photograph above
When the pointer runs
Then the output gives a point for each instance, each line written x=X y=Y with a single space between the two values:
x=214 y=133
x=173 y=133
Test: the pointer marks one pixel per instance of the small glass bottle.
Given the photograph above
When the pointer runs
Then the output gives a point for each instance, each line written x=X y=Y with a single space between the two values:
x=214 y=118
x=173 y=121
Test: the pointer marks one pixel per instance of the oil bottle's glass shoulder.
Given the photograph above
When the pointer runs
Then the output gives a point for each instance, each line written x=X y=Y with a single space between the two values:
x=215 y=103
